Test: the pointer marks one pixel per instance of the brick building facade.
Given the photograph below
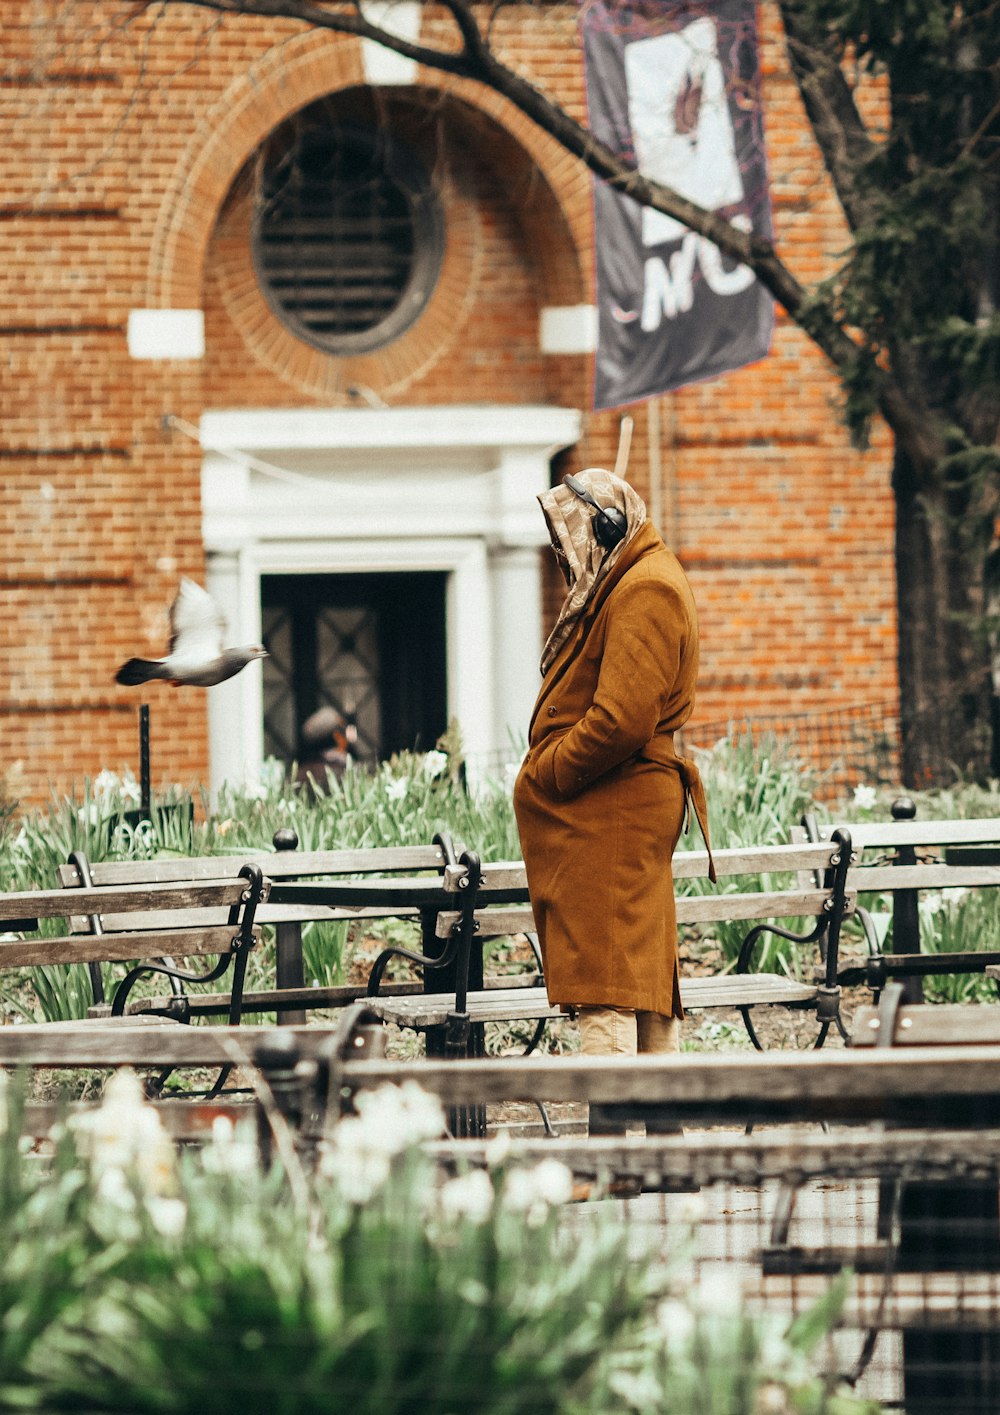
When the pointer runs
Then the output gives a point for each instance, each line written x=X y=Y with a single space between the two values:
x=159 y=417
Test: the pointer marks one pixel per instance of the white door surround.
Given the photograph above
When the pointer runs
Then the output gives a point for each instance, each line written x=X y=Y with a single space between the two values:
x=341 y=491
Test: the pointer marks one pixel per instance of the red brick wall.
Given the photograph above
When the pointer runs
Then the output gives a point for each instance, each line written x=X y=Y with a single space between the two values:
x=123 y=146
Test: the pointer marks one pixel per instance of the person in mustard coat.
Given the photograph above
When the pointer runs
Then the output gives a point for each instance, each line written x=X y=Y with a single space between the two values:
x=602 y=796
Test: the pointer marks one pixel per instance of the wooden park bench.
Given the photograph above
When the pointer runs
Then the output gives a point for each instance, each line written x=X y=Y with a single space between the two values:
x=893 y=861
x=150 y=927
x=289 y=998
x=500 y=909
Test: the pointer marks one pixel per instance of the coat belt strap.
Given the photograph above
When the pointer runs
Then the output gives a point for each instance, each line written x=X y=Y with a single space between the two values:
x=694 y=800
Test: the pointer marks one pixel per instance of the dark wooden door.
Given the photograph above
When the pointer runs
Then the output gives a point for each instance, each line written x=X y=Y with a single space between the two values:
x=370 y=646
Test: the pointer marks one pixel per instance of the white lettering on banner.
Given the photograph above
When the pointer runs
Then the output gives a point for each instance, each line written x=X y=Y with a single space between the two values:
x=670 y=292
x=719 y=281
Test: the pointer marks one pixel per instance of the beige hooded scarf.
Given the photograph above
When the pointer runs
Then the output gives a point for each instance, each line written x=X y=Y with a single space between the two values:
x=583 y=562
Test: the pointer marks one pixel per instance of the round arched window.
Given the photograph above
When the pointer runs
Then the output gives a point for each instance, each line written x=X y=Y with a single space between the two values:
x=348 y=234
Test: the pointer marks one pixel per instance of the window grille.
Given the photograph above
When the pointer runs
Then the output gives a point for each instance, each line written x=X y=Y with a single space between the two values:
x=348 y=235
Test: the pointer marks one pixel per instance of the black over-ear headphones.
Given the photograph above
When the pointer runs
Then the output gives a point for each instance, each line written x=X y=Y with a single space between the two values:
x=610 y=524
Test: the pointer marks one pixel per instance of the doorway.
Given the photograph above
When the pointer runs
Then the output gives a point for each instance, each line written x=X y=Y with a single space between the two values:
x=370 y=646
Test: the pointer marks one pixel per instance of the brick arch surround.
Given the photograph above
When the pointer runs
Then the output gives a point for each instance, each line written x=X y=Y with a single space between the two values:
x=483 y=178
x=285 y=80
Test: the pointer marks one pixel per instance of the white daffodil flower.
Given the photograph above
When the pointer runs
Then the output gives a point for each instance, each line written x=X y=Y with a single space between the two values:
x=125 y=1133
x=553 y=1182
x=358 y=1170
x=675 y=1320
x=717 y=1293
x=169 y=1215
x=434 y=763
x=228 y=1152
x=469 y=1197
x=533 y=1192
x=865 y=797
x=395 y=1117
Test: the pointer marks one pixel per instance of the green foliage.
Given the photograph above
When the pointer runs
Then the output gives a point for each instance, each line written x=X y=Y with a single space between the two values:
x=916 y=286
x=713 y=1358
x=879 y=30
x=406 y=801
x=757 y=790
x=954 y=921
x=373 y=1284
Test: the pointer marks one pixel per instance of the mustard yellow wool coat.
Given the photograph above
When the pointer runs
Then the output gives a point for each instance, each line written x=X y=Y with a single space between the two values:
x=600 y=797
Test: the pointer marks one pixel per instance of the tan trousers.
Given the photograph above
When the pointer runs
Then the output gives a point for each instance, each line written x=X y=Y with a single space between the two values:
x=617 y=1031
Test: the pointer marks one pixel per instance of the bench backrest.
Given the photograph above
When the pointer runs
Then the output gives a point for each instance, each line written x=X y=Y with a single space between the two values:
x=950 y=854
x=185 y=917
x=276 y=865
x=899 y=859
x=286 y=864
x=281 y=864
x=693 y=864
x=508 y=878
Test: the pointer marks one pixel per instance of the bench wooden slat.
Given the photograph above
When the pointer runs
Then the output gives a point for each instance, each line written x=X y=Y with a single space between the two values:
x=60 y=903
x=184 y=1119
x=217 y=1003
x=811 y=1084
x=691 y=909
x=744 y=989
x=728 y=1157
x=953 y=1024
x=102 y=1043
x=433 y=1009
x=266 y=914
x=118 y=947
x=886 y=835
x=278 y=864
x=880 y=878
x=713 y=908
x=944 y=1301
x=529 y=1004
x=92 y=1025
x=755 y=859
x=693 y=864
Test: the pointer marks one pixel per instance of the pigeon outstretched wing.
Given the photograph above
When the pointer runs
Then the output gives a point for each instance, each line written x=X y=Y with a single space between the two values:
x=197 y=627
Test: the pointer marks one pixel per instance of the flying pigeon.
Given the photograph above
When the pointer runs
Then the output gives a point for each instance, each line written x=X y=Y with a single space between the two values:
x=197 y=657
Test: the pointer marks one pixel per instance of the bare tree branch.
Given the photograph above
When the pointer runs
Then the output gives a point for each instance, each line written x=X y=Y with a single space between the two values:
x=478 y=62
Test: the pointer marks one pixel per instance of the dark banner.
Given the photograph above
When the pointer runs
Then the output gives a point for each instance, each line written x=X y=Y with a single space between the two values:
x=673 y=87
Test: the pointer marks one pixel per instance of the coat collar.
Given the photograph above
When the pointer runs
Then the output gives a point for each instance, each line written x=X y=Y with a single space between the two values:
x=645 y=542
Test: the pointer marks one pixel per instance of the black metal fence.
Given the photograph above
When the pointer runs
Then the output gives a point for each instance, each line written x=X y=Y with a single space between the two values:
x=845 y=746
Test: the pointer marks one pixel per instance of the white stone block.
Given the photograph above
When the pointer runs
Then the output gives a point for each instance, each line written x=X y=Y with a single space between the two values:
x=568 y=329
x=400 y=18
x=166 y=334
